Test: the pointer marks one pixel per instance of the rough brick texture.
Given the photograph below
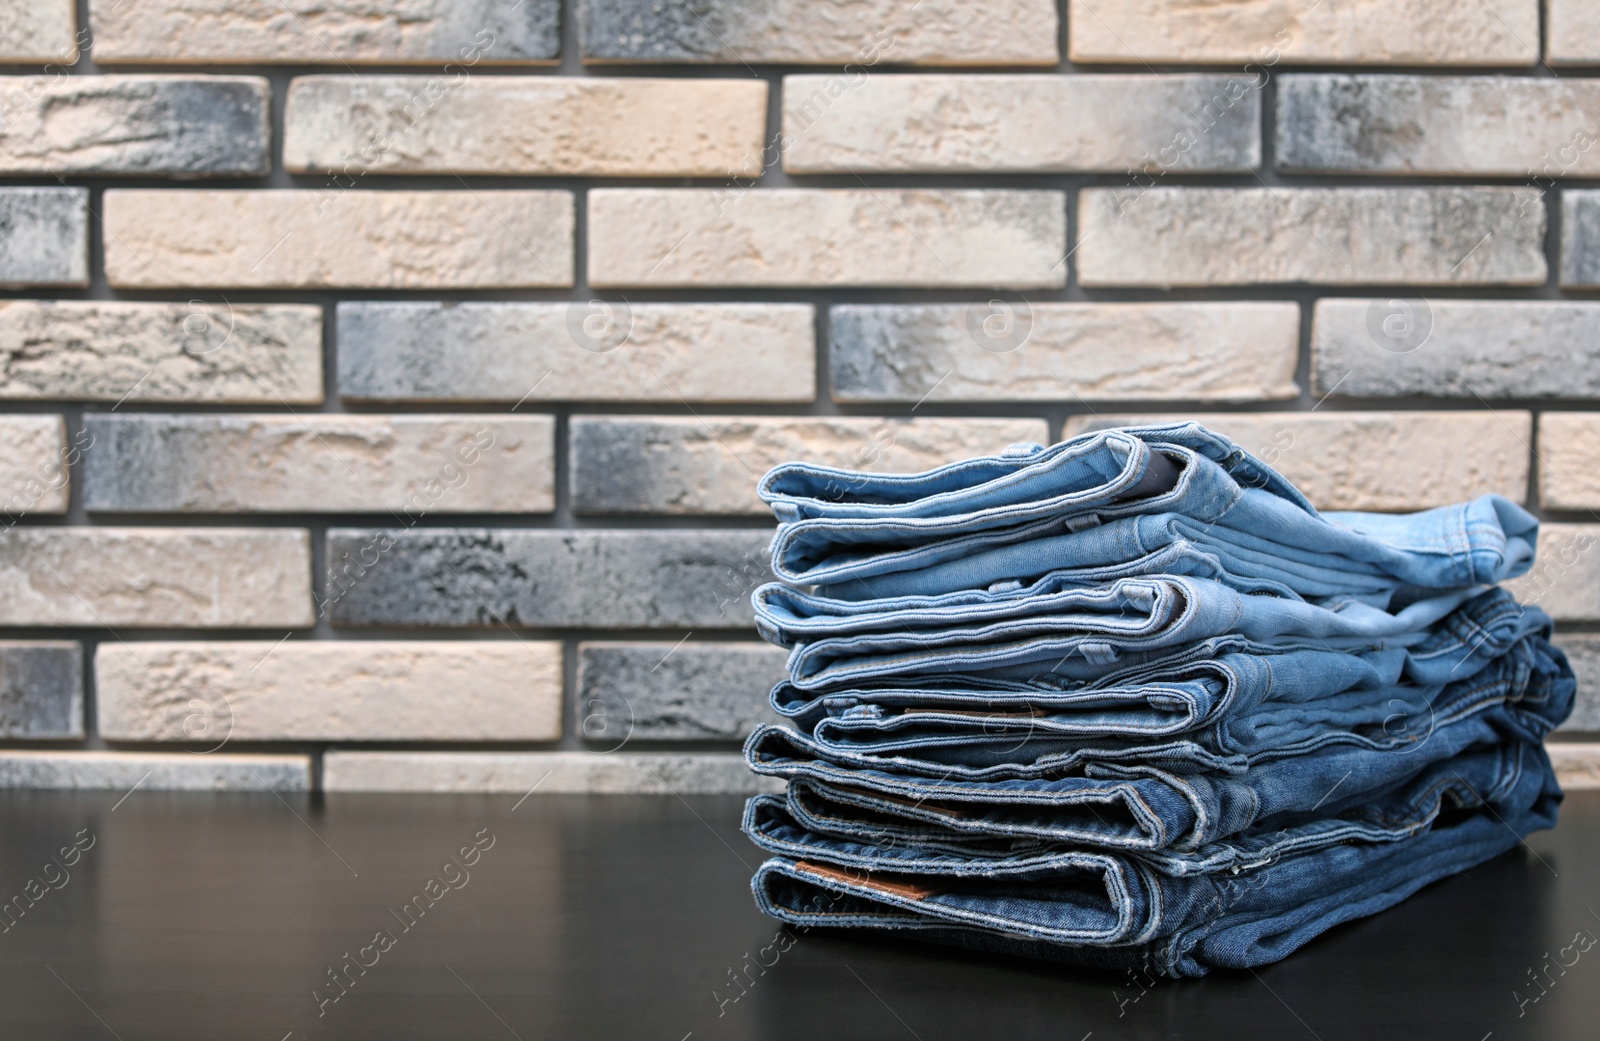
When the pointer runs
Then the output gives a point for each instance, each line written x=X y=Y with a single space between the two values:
x=1569 y=444
x=668 y=465
x=1011 y=349
x=1475 y=349
x=39 y=31
x=516 y=352
x=827 y=32
x=155 y=771
x=334 y=237
x=534 y=125
x=35 y=467
x=1354 y=32
x=473 y=577
x=1571 y=32
x=1565 y=578
x=44 y=237
x=542 y=773
x=1580 y=239
x=41 y=689
x=202 y=351
x=409 y=466
x=206 y=694
x=802 y=237
x=674 y=692
x=1330 y=236
x=1378 y=460
x=1583 y=651
x=1501 y=126
x=328 y=32
x=202 y=578
x=172 y=126
x=834 y=124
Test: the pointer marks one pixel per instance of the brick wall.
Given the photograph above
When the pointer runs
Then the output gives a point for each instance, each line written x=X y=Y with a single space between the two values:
x=383 y=385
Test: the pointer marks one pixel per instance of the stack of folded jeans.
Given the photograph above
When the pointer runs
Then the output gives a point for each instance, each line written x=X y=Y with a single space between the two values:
x=1130 y=701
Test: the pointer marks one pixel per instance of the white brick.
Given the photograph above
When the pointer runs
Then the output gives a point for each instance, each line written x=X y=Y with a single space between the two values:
x=1577 y=765
x=1347 y=32
x=543 y=773
x=325 y=690
x=154 y=771
x=409 y=465
x=1569 y=444
x=1571 y=32
x=39 y=31
x=297 y=239
x=1375 y=460
x=913 y=123
x=34 y=467
x=206 y=578
x=804 y=237
x=1565 y=578
x=543 y=125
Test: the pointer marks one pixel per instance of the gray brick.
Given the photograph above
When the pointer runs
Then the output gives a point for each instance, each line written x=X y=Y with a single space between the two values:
x=1580 y=239
x=172 y=126
x=44 y=237
x=826 y=32
x=1397 y=347
x=328 y=32
x=474 y=577
x=415 y=465
x=543 y=773
x=1236 y=351
x=115 y=350
x=515 y=352
x=1583 y=651
x=914 y=123
x=39 y=31
x=710 y=465
x=155 y=771
x=1507 y=126
x=41 y=689
x=674 y=692
x=1327 y=236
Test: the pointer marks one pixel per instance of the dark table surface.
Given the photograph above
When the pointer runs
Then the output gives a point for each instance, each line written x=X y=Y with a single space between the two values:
x=222 y=916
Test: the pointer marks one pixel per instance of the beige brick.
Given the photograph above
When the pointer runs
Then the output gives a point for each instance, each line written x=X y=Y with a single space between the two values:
x=1502 y=126
x=154 y=771
x=1569 y=444
x=1347 y=32
x=1571 y=32
x=1565 y=577
x=1015 y=350
x=34 y=467
x=1327 y=236
x=803 y=237
x=409 y=466
x=1385 y=461
x=526 y=125
x=586 y=350
x=684 y=465
x=216 y=353
x=822 y=32
x=543 y=773
x=461 y=33
x=912 y=123
x=164 y=238
x=39 y=31
x=204 y=578
x=1577 y=764
x=325 y=690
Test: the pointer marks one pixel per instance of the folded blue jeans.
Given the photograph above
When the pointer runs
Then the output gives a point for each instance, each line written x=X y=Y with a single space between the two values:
x=1172 y=803
x=1121 y=910
x=839 y=526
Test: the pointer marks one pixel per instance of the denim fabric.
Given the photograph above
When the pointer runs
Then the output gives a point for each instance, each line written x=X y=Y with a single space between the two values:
x=839 y=526
x=1168 y=796
x=962 y=632
x=1111 y=910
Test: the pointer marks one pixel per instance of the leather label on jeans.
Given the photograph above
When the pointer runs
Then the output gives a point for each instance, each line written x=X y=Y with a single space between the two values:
x=863 y=880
